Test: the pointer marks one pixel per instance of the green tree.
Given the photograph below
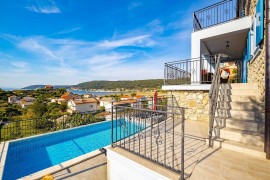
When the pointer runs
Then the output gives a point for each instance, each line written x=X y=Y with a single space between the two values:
x=62 y=90
x=133 y=94
x=38 y=108
x=63 y=106
x=102 y=108
x=41 y=98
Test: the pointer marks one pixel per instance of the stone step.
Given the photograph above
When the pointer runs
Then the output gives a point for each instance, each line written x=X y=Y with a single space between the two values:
x=239 y=86
x=248 y=149
x=240 y=114
x=247 y=92
x=245 y=106
x=244 y=125
x=246 y=137
x=240 y=98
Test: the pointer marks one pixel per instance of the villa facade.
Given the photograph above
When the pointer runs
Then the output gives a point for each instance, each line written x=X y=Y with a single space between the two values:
x=223 y=84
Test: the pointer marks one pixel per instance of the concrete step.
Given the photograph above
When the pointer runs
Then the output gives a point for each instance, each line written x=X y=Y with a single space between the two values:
x=241 y=115
x=244 y=125
x=240 y=98
x=245 y=106
x=239 y=86
x=240 y=147
x=247 y=92
x=246 y=137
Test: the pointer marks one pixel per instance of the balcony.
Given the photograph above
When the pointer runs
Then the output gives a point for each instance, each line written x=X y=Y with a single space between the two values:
x=218 y=13
x=189 y=71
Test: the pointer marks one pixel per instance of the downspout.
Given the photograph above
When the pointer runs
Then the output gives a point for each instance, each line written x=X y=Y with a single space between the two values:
x=267 y=82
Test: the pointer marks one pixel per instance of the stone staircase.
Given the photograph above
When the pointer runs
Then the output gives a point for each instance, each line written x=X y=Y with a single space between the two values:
x=239 y=122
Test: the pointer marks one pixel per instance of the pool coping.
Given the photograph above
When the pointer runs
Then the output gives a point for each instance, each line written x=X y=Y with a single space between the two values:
x=3 y=156
x=64 y=165
x=4 y=149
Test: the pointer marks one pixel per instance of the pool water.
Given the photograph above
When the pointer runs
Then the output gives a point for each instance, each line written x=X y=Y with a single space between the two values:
x=30 y=155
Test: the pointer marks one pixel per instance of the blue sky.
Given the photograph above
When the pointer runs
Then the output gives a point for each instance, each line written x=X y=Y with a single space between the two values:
x=73 y=41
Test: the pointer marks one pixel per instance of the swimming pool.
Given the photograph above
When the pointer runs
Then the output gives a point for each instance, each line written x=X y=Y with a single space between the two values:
x=33 y=154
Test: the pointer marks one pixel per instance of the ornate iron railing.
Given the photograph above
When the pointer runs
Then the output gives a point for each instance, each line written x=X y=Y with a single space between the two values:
x=213 y=97
x=151 y=134
x=218 y=13
x=196 y=70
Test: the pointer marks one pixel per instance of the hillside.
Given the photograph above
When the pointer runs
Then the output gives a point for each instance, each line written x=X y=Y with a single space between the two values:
x=32 y=87
x=116 y=85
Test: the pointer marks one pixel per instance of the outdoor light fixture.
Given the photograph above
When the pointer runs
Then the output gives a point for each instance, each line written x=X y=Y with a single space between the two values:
x=227 y=44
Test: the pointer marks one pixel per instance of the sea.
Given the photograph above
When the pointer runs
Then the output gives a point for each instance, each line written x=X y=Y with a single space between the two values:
x=9 y=89
x=97 y=93
x=79 y=92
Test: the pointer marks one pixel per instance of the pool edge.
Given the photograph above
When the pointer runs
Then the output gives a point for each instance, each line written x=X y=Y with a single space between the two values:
x=62 y=166
x=3 y=156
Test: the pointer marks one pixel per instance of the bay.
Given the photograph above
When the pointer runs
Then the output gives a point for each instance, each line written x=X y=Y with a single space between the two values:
x=97 y=93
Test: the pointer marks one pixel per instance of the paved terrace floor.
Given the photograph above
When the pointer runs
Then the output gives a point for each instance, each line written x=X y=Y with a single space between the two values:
x=201 y=162
x=95 y=169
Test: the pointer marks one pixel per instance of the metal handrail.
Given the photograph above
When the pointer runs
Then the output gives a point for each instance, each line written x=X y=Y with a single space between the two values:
x=213 y=5
x=145 y=133
x=217 y=13
x=194 y=70
x=213 y=97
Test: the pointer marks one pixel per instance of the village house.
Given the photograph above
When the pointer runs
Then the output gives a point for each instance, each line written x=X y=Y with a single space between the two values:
x=14 y=100
x=27 y=101
x=68 y=95
x=58 y=100
x=88 y=96
x=125 y=97
x=48 y=87
x=86 y=105
x=106 y=103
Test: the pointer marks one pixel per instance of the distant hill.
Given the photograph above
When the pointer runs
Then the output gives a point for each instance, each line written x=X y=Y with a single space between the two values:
x=32 y=87
x=114 y=85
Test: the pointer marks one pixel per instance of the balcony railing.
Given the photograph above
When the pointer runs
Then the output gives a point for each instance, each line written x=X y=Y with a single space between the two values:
x=218 y=13
x=151 y=134
x=196 y=70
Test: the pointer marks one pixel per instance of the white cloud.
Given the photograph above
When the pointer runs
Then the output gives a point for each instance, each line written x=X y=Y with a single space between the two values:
x=69 y=30
x=19 y=64
x=45 y=7
x=33 y=44
x=141 y=40
x=105 y=58
x=137 y=54
x=134 y=5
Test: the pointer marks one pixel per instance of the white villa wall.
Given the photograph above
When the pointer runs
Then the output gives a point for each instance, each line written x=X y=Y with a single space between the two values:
x=122 y=168
x=87 y=107
x=81 y=108
x=107 y=105
x=197 y=47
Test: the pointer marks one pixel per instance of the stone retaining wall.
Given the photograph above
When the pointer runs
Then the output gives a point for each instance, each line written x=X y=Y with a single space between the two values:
x=256 y=67
x=197 y=103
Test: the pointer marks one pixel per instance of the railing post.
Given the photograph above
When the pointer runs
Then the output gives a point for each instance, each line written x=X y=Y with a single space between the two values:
x=173 y=142
x=183 y=144
x=1 y=133
x=112 y=125
x=165 y=74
